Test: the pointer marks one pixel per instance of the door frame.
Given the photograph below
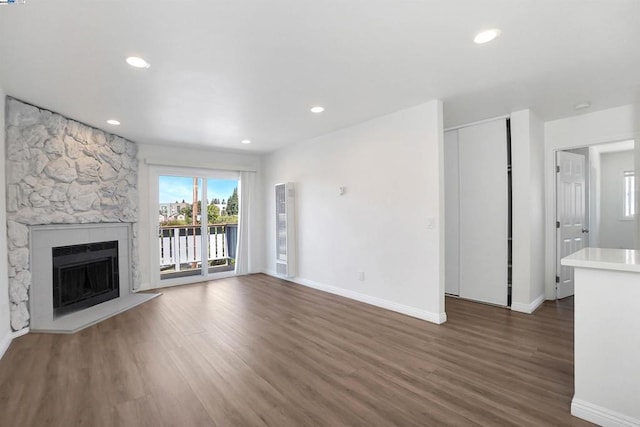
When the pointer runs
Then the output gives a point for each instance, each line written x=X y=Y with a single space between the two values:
x=551 y=198
x=154 y=264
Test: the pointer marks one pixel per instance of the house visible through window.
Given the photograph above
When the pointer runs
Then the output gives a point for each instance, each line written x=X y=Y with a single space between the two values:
x=629 y=195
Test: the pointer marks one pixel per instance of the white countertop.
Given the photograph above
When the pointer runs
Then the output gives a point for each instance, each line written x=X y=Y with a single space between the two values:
x=605 y=259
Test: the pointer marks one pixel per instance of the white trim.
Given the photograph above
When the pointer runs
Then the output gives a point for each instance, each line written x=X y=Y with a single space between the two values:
x=367 y=299
x=528 y=308
x=189 y=280
x=21 y=332
x=189 y=165
x=623 y=199
x=161 y=169
x=441 y=218
x=601 y=416
x=8 y=338
x=479 y=122
x=5 y=343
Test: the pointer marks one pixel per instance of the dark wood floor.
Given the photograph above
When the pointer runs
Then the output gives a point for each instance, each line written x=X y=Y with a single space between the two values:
x=258 y=351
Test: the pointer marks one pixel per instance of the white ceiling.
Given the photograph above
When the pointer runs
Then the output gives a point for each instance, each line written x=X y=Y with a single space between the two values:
x=223 y=71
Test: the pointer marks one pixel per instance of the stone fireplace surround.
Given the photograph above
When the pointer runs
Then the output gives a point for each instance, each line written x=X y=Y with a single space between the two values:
x=62 y=173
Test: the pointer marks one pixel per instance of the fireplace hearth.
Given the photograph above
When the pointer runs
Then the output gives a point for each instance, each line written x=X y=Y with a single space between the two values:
x=84 y=275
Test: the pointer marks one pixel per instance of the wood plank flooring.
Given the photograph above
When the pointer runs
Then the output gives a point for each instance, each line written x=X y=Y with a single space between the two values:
x=255 y=351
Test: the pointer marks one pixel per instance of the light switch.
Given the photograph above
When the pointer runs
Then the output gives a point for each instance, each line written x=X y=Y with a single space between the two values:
x=431 y=223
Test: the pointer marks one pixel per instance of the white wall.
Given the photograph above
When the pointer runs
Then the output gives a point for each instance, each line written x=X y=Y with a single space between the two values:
x=614 y=124
x=392 y=161
x=189 y=158
x=5 y=328
x=614 y=231
x=606 y=350
x=527 y=162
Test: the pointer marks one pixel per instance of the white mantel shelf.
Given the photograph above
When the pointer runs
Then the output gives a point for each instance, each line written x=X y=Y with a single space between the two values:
x=605 y=259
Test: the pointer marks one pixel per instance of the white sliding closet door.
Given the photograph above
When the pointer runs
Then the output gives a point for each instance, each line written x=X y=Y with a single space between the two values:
x=483 y=212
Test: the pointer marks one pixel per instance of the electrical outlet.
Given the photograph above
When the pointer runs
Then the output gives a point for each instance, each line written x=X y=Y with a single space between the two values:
x=361 y=276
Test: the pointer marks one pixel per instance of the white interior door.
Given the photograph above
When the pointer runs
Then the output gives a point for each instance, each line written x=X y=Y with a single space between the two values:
x=452 y=213
x=571 y=230
x=483 y=212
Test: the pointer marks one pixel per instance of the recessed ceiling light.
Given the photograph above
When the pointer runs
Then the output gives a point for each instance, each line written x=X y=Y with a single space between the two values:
x=134 y=61
x=113 y=122
x=582 y=105
x=317 y=109
x=246 y=141
x=486 y=36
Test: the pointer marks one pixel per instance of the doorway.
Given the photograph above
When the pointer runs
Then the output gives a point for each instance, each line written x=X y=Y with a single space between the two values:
x=197 y=225
x=478 y=210
x=595 y=204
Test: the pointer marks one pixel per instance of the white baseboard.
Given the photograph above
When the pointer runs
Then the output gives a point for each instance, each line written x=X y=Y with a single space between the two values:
x=6 y=341
x=528 y=308
x=601 y=416
x=378 y=302
x=4 y=344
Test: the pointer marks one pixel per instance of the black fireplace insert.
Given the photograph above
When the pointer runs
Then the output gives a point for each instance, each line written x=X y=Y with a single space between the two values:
x=84 y=275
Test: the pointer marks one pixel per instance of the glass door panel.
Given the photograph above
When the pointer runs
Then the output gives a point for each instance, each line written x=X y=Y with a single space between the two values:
x=222 y=223
x=180 y=226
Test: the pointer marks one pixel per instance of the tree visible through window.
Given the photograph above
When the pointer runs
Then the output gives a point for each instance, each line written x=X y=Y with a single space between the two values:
x=629 y=195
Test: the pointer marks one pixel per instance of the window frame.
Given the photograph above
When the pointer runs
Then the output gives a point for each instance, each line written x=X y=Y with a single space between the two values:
x=628 y=200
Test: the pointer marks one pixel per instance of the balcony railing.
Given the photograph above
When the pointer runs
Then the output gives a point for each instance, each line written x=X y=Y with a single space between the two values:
x=181 y=249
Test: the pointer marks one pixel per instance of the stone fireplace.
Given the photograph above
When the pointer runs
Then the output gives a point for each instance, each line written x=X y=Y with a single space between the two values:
x=67 y=179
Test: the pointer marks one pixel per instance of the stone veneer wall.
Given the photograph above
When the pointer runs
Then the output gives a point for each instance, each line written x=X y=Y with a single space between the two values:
x=60 y=171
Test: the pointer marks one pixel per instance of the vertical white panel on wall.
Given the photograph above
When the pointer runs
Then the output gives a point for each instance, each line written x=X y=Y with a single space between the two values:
x=452 y=213
x=528 y=217
x=285 y=230
x=483 y=212
x=5 y=328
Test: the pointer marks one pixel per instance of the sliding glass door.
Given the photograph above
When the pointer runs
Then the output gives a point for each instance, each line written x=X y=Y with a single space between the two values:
x=197 y=225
